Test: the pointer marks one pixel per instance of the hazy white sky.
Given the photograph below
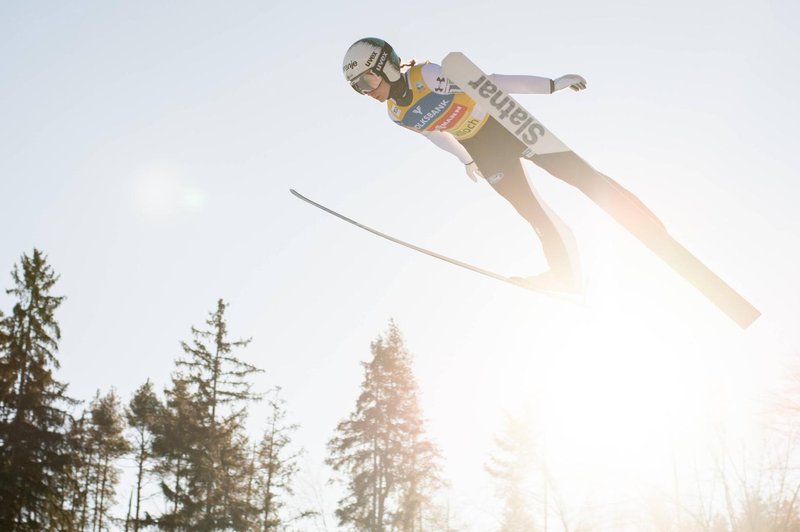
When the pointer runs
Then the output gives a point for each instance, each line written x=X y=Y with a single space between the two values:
x=149 y=147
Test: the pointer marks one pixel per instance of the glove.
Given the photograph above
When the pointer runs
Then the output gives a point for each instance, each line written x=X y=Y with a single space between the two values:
x=573 y=81
x=473 y=172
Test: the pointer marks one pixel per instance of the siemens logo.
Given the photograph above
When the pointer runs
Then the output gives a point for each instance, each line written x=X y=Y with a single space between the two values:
x=529 y=129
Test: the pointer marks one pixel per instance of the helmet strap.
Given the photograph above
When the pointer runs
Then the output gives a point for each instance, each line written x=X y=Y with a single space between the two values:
x=400 y=92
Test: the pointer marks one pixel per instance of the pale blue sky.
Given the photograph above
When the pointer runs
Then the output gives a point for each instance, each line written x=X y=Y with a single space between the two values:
x=149 y=147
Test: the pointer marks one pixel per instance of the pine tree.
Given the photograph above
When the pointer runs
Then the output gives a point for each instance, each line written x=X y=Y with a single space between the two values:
x=107 y=443
x=81 y=475
x=274 y=469
x=142 y=414
x=177 y=433
x=421 y=480
x=7 y=375
x=34 y=448
x=389 y=468
x=220 y=389
x=513 y=467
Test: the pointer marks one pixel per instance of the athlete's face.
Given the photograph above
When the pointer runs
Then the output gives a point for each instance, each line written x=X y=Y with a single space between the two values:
x=381 y=92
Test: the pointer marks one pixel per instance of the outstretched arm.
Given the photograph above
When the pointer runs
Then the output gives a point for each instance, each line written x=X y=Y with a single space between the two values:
x=537 y=85
x=434 y=77
x=448 y=143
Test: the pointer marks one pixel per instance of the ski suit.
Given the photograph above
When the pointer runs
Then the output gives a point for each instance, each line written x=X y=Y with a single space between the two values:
x=438 y=109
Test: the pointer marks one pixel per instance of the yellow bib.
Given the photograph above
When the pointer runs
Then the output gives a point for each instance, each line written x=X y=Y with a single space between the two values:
x=442 y=107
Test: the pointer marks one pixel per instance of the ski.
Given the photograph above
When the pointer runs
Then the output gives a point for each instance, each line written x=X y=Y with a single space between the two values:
x=573 y=298
x=547 y=151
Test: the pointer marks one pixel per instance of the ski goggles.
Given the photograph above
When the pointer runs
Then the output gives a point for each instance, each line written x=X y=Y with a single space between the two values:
x=366 y=82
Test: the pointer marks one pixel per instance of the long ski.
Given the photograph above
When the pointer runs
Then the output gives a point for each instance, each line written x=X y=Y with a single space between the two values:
x=573 y=298
x=547 y=151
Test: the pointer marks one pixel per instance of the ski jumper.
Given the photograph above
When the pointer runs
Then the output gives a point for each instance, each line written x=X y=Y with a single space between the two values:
x=438 y=109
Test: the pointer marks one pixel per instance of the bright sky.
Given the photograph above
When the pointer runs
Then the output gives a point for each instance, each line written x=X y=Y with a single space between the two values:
x=148 y=149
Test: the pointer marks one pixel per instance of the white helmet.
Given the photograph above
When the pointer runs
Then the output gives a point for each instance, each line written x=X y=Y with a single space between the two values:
x=370 y=55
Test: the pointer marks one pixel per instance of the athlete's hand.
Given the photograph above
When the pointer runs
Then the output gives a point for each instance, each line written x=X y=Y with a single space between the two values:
x=573 y=81
x=473 y=172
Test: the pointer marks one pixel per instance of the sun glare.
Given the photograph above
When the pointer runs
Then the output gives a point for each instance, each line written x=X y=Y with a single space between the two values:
x=623 y=399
